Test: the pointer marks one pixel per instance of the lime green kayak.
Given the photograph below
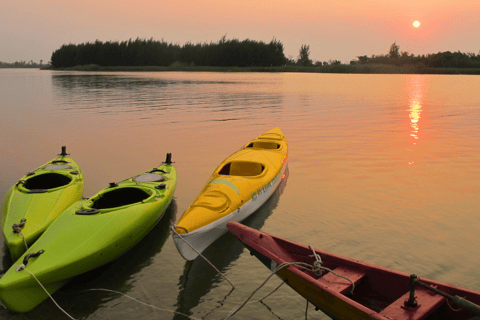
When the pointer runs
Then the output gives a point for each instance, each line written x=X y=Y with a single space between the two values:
x=89 y=234
x=37 y=199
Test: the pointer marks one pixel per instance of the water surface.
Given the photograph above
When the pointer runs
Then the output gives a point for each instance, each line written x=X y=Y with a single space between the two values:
x=382 y=168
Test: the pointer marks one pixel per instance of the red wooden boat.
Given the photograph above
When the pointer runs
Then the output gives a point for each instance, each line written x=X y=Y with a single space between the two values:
x=371 y=292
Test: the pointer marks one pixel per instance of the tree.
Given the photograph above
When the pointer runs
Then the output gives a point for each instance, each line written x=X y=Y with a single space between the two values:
x=303 y=58
x=394 y=51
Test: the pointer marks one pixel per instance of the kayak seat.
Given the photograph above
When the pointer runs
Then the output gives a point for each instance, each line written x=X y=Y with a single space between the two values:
x=46 y=181
x=119 y=197
x=242 y=168
x=428 y=302
x=264 y=145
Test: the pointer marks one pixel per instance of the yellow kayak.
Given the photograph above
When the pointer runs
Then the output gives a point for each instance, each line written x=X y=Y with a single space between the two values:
x=237 y=188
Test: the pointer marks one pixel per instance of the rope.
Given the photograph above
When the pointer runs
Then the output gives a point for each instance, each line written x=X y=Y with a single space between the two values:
x=24 y=240
x=172 y=227
x=149 y=305
x=283 y=265
x=271 y=292
x=22 y=267
x=17 y=228
x=306 y=311
x=316 y=268
x=456 y=310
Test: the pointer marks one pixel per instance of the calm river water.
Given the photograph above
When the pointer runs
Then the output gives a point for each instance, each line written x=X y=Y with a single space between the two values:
x=382 y=168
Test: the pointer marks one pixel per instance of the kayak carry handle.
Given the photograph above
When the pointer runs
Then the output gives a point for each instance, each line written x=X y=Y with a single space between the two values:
x=412 y=302
x=17 y=227
x=157 y=170
x=31 y=255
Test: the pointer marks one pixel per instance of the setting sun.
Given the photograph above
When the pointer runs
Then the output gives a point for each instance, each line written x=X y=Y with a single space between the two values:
x=416 y=24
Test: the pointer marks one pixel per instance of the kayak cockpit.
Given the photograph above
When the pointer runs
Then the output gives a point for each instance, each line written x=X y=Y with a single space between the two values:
x=119 y=197
x=242 y=168
x=46 y=181
x=264 y=145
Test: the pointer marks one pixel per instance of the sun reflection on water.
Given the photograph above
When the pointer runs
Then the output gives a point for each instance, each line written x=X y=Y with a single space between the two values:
x=415 y=110
x=416 y=87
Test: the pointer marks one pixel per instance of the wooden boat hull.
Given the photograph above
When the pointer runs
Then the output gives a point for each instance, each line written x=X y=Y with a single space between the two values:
x=237 y=188
x=39 y=197
x=380 y=293
x=89 y=234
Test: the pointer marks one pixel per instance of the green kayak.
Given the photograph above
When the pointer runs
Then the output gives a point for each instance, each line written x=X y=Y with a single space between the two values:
x=89 y=234
x=37 y=199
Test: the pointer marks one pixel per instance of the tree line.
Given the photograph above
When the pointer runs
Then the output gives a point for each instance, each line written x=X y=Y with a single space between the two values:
x=436 y=60
x=22 y=64
x=142 y=52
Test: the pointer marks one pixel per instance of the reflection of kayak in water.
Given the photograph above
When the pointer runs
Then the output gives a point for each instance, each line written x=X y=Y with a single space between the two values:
x=199 y=278
x=89 y=234
x=37 y=199
x=238 y=187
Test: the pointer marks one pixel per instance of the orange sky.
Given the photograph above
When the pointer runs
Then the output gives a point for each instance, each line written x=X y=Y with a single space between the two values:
x=342 y=29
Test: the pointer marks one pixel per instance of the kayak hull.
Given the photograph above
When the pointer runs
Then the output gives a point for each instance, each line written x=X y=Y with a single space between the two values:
x=89 y=234
x=39 y=197
x=238 y=187
x=201 y=238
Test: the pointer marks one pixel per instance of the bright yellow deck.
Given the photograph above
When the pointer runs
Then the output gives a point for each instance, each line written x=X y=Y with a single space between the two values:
x=238 y=179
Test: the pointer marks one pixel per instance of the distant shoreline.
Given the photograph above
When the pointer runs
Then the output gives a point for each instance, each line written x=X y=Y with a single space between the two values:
x=341 y=68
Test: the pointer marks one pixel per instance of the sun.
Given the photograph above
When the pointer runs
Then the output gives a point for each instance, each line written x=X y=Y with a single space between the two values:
x=416 y=24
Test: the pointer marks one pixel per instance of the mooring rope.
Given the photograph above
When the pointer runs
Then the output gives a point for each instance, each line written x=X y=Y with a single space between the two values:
x=24 y=240
x=144 y=303
x=172 y=227
x=283 y=265
x=316 y=268
x=22 y=267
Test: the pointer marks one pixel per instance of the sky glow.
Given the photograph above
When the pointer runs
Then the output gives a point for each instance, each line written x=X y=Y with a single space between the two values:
x=334 y=30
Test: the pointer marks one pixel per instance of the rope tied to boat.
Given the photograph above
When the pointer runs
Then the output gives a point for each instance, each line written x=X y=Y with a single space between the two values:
x=27 y=257
x=318 y=268
x=315 y=267
x=17 y=228
x=24 y=268
x=317 y=264
x=173 y=227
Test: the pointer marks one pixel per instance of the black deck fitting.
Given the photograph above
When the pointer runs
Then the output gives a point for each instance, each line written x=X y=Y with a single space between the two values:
x=411 y=302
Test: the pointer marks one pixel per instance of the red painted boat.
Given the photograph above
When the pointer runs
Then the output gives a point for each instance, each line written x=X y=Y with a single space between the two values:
x=371 y=292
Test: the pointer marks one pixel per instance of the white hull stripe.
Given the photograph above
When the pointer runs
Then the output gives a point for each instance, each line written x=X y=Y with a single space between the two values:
x=206 y=235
